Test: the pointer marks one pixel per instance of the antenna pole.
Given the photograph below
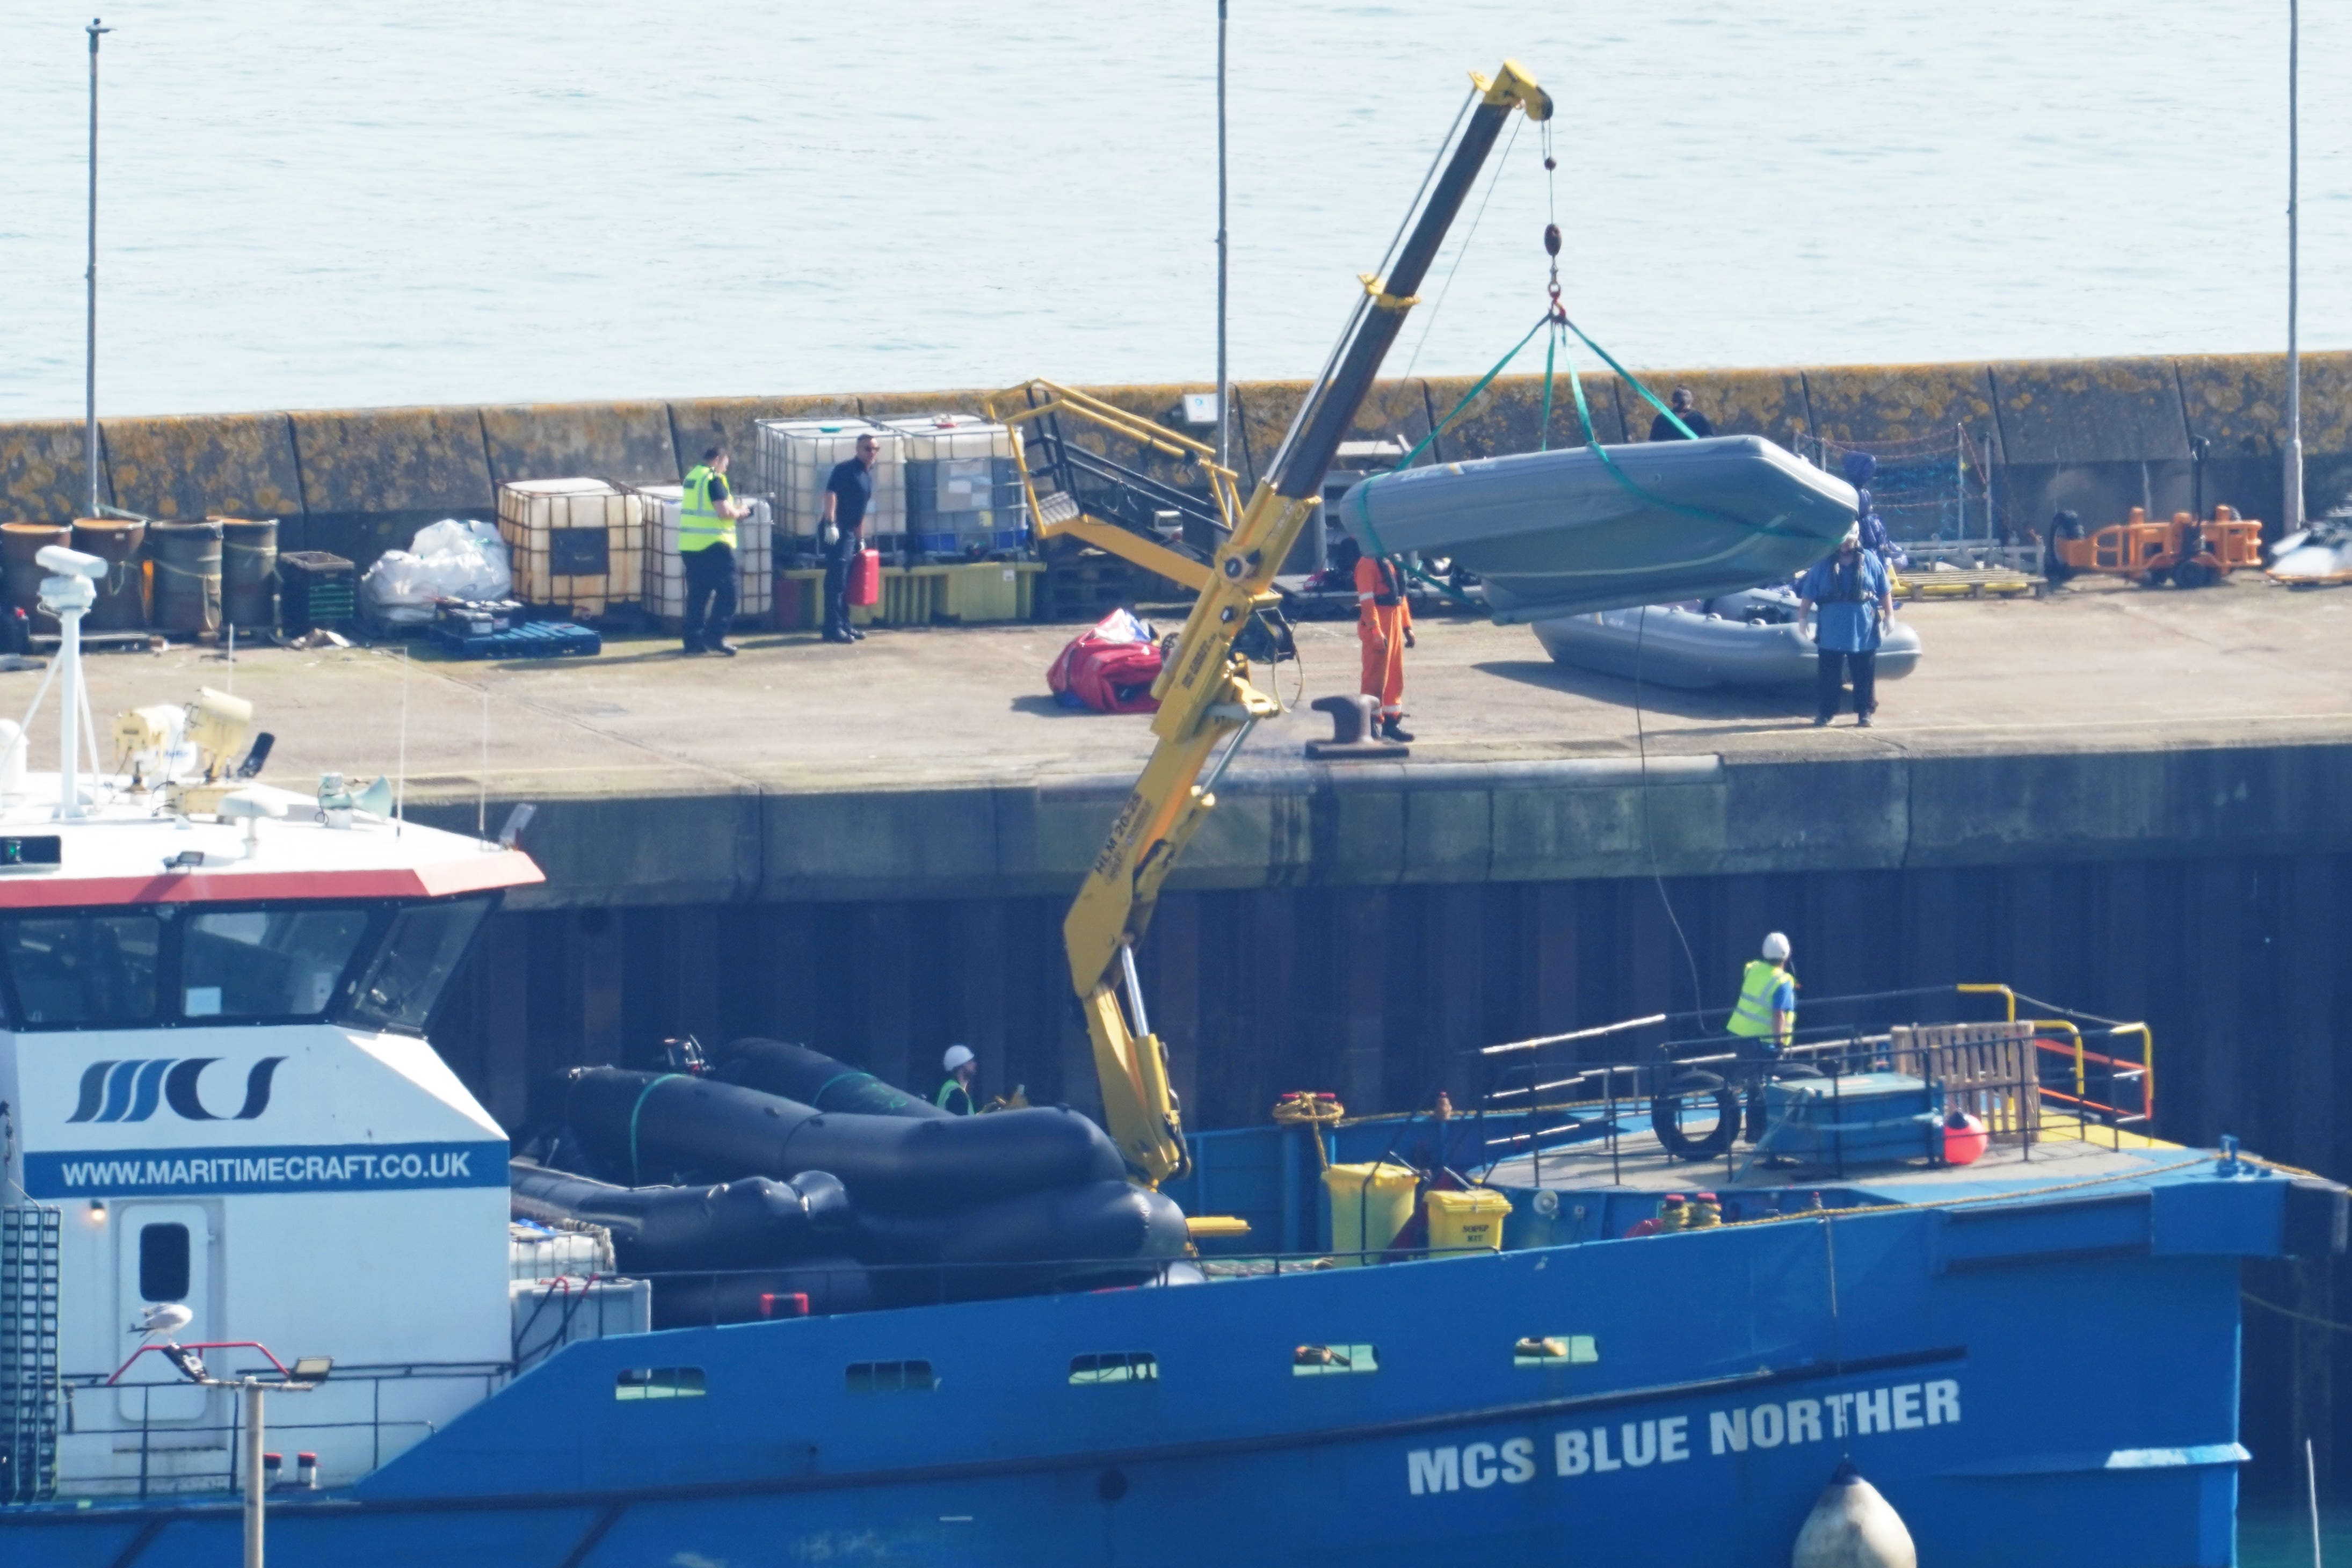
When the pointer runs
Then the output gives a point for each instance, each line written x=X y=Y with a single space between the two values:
x=90 y=346
x=399 y=790
x=1224 y=423
x=2293 y=475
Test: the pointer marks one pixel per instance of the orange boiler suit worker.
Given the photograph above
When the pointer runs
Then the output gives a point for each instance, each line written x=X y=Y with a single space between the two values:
x=1384 y=623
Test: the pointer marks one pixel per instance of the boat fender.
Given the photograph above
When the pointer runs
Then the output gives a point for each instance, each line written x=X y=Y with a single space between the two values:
x=1852 y=1526
x=1666 y=1116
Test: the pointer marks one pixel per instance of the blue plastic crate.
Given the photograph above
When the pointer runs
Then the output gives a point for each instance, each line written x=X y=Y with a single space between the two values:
x=532 y=640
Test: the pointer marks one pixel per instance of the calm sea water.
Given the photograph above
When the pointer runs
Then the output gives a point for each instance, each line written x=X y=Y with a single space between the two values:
x=2275 y=1532
x=438 y=200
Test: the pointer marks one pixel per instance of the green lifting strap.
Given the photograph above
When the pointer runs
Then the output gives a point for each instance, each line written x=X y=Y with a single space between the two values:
x=634 y=1179
x=1592 y=441
x=1364 y=517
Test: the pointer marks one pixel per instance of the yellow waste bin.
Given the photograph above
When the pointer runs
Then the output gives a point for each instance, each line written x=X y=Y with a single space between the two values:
x=1370 y=1203
x=1462 y=1222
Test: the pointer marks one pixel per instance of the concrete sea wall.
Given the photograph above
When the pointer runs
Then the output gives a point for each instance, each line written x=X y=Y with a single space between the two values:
x=2097 y=435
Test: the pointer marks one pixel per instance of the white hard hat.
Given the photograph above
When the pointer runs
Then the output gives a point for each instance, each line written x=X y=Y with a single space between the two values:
x=957 y=1057
x=1776 y=947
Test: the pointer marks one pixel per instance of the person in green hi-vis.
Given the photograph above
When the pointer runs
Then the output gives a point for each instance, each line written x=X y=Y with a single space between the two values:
x=955 y=1095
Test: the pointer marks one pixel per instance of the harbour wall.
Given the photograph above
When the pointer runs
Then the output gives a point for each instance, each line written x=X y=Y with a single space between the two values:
x=2096 y=436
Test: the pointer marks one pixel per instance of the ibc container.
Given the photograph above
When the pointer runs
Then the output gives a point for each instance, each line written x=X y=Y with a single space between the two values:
x=665 y=568
x=795 y=457
x=577 y=545
x=964 y=485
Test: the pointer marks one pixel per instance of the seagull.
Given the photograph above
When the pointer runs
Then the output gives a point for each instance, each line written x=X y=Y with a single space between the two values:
x=163 y=1319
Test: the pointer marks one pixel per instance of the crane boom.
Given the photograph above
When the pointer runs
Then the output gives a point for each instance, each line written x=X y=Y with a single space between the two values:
x=1206 y=697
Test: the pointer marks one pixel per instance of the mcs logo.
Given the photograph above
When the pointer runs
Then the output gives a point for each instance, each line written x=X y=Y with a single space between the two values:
x=130 y=1090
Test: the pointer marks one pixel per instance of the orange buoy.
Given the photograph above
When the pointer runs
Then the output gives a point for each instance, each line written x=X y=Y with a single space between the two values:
x=1965 y=1138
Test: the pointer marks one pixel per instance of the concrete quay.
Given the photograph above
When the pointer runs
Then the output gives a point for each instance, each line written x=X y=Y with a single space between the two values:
x=2103 y=723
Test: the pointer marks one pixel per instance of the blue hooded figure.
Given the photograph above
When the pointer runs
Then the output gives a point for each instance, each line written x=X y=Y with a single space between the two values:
x=1860 y=468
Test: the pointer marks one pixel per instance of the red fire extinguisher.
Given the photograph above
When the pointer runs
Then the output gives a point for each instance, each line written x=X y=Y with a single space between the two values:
x=866 y=578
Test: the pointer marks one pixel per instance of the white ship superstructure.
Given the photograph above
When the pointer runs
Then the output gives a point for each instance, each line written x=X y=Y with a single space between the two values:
x=215 y=1092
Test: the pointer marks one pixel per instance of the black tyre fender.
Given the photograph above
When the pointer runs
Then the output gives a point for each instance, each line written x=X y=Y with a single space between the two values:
x=1666 y=1116
x=2194 y=574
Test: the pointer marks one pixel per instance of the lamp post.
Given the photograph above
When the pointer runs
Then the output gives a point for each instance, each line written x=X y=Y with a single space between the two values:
x=90 y=276
x=2292 y=477
x=1225 y=423
x=307 y=1374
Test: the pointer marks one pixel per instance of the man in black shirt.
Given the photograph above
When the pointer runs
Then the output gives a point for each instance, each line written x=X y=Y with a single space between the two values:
x=847 y=496
x=1662 y=428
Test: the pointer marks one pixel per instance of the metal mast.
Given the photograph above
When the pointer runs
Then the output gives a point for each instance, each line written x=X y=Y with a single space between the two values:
x=1224 y=425
x=90 y=346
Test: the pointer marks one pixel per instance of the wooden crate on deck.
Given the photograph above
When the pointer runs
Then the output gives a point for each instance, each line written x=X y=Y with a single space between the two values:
x=576 y=545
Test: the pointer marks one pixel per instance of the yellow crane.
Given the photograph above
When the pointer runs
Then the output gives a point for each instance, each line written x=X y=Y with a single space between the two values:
x=1207 y=704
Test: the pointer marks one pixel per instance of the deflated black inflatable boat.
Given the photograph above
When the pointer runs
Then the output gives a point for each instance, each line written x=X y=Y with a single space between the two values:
x=643 y=1125
x=772 y=1199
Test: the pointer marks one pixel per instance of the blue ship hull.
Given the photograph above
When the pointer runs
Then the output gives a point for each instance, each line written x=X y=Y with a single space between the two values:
x=2047 y=1381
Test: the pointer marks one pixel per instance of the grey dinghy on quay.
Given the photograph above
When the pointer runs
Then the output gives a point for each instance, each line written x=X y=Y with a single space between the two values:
x=1555 y=533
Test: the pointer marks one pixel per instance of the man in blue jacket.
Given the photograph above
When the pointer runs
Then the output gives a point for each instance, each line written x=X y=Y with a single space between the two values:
x=1856 y=599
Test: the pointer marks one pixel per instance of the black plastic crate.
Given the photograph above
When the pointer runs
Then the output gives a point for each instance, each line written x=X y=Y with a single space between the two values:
x=315 y=589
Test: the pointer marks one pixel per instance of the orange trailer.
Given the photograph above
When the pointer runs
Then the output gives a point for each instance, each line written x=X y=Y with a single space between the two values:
x=2184 y=551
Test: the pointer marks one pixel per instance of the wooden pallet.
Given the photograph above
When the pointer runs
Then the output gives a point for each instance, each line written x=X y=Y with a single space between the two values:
x=1994 y=583
x=1087 y=587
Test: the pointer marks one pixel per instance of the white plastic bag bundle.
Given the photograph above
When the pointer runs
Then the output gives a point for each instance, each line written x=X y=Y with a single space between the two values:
x=453 y=558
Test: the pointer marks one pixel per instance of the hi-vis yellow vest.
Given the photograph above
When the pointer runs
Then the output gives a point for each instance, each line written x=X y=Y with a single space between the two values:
x=700 y=524
x=1753 y=1016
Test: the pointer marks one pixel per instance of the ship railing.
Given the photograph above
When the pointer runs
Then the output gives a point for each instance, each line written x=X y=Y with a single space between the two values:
x=2027 y=1068
x=709 y=1297
x=387 y=1435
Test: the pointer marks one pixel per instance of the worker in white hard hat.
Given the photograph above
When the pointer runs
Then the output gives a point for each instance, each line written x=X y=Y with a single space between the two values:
x=1767 y=1008
x=1763 y=1020
x=955 y=1094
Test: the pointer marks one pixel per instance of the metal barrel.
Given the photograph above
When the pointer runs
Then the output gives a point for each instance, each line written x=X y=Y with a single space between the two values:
x=123 y=598
x=19 y=543
x=187 y=557
x=250 y=572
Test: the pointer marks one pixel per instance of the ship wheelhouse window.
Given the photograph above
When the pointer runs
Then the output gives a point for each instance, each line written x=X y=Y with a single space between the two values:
x=412 y=969
x=282 y=962
x=82 y=970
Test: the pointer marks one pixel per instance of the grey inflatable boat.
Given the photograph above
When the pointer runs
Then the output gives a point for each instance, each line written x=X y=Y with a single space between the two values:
x=1740 y=640
x=1555 y=532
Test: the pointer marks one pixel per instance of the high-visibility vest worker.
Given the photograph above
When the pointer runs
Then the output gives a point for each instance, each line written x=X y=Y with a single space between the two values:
x=955 y=1095
x=1767 y=1008
x=700 y=523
